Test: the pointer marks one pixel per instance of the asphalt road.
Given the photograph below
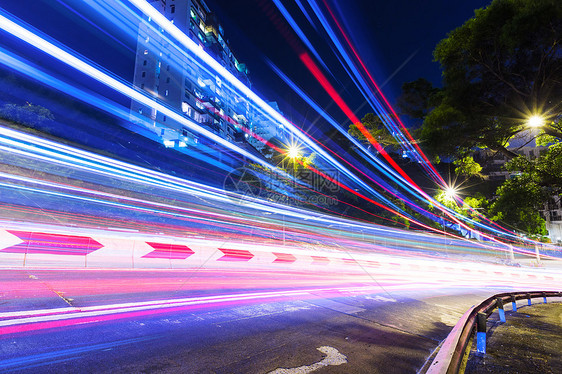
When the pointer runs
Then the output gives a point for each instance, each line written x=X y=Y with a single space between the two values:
x=376 y=331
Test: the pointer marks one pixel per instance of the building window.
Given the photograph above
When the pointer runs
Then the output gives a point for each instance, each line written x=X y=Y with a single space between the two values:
x=146 y=51
x=172 y=8
x=144 y=63
x=168 y=68
x=166 y=93
x=147 y=39
x=163 y=118
x=142 y=86
x=143 y=74
x=168 y=80
x=140 y=110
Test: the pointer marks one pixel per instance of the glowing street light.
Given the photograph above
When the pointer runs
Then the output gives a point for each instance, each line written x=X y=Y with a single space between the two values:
x=535 y=121
x=450 y=193
x=293 y=152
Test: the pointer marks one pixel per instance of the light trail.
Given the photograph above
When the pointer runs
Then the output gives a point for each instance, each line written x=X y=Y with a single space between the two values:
x=75 y=62
x=68 y=58
x=304 y=225
x=399 y=132
x=19 y=142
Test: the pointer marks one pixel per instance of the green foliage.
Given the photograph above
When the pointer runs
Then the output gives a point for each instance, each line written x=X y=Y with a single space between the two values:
x=401 y=221
x=518 y=203
x=376 y=128
x=545 y=140
x=500 y=66
x=418 y=98
x=468 y=167
x=447 y=201
x=473 y=205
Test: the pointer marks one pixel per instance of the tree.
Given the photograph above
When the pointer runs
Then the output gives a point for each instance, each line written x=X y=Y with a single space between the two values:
x=518 y=204
x=418 y=98
x=503 y=65
x=376 y=128
x=546 y=170
x=467 y=167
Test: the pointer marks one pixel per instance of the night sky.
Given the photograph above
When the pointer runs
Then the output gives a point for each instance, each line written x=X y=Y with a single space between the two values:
x=386 y=33
x=394 y=38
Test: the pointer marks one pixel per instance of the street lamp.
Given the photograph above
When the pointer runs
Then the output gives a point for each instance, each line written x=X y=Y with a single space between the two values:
x=450 y=193
x=293 y=152
x=535 y=121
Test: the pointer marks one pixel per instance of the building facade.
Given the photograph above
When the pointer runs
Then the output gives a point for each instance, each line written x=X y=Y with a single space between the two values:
x=186 y=85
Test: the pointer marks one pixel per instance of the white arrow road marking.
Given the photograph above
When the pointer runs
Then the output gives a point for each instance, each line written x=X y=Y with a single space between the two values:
x=381 y=298
x=333 y=357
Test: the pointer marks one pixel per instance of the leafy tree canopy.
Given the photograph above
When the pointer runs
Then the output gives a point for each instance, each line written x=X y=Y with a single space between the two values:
x=418 y=98
x=467 y=167
x=519 y=201
x=502 y=66
x=376 y=128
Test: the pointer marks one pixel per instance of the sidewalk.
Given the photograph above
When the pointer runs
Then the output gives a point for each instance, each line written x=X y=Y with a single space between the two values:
x=529 y=342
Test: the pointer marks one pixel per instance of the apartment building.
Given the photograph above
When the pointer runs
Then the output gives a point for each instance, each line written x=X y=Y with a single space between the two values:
x=186 y=85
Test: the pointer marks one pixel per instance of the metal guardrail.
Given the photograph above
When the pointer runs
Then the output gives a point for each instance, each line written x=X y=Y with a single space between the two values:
x=449 y=358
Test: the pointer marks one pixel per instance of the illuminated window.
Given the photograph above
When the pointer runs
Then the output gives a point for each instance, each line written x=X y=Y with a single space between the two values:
x=166 y=93
x=140 y=110
x=147 y=39
x=146 y=51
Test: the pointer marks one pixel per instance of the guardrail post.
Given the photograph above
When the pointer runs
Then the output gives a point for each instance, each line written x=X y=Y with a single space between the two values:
x=481 y=332
x=501 y=312
x=544 y=297
x=513 y=303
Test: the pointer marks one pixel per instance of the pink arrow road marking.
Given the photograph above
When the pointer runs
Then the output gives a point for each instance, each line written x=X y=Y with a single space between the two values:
x=235 y=255
x=52 y=244
x=169 y=251
x=284 y=257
